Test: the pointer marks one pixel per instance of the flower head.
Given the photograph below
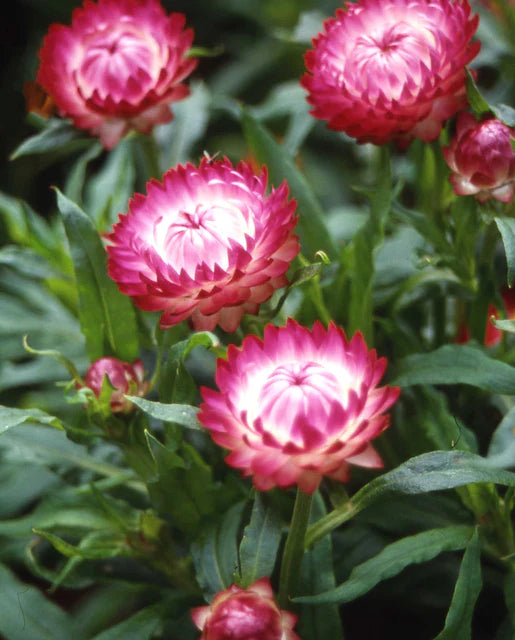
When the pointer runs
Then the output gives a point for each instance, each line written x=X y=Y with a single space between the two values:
x=245 y=614
x=481 y=159
x=206 y=244
x=124 y=377
x=298 y=405
x=117 y=67
x=391 y=69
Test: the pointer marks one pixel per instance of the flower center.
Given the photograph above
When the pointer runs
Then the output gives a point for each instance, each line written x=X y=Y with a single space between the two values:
x=295 y=394
x=116 y=58
x=207 y=234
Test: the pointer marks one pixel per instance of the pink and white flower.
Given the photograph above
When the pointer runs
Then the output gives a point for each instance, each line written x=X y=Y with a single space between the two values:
x=298 y=405
x=481 y=159
x=245 y=614
x=207 y=244
x=391 y=69
x=117 y=67
x=124 y=377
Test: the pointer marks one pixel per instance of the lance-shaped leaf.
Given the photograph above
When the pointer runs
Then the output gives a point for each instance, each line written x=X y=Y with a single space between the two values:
x=182 y=414
x=506 y=228
x=429 y=472
x=501 y=451
x=317 y=575
x=459 y=617
x=392 y=560
x=140 y=626
x=106 y=316
x=215 y=553
x=260 y=542
x=457 y=364
x=312 y=228
x=11 y=417
x=26 y=613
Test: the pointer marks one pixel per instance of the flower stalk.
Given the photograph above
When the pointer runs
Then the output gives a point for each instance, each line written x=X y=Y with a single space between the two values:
x=294 y=548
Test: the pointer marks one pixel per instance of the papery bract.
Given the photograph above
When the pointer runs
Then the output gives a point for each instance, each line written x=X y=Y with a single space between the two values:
x=124 y=377
x=298 y=405
x=245 y=614
x=391 y=69
x=117 y=67
x=481 y=159
x=206 y=244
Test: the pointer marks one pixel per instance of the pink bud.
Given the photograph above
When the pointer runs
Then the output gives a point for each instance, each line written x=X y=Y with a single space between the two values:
x=124 y=377
x=245 y=614
x=481 y=159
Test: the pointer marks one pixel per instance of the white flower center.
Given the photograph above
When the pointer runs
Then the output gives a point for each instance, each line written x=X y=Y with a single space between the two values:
x=293 y=391
x=115 y=57
x=202 y=234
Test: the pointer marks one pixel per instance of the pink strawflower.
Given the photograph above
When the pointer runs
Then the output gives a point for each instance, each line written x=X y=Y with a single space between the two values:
x=245 y=614
x=391 y=69
x=206 y=244
x=298 y=405
x=124 y=377
x=481 y=159
x=118 y=67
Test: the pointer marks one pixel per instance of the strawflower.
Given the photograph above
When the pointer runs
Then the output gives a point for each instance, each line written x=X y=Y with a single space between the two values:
x=245 y=614
x=124 y=377
x=481 y=159
x=391 y=69
x=117 y=67
x=207 y=244
x=298 y=405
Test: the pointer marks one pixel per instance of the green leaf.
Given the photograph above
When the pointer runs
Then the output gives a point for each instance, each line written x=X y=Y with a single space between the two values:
x=26 y=614
x=215 y=553
x=182 y=414
x=28 y=262
x=260 y=542
x=312 y=227
x=506 y=228
x=392 y=560
x=358 y=262
x=505 y=113
x=107 y=317
x=457 y=364
x=95 y=546
x=501 y=451
x=459 y=617
x=478 y=104
x=107 y=193
x=140 y=626
x=58 y=135
x=425 y=473
x=317 y=575
x=11 y=417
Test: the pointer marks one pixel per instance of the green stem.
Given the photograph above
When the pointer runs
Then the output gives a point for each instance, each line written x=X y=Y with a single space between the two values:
x=328 y=523
x=150 y=151
x=294 y=547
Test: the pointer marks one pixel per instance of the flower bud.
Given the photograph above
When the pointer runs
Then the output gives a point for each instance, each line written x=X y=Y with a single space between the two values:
x=245 y=614
x=481 y=159
x=124 y=377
